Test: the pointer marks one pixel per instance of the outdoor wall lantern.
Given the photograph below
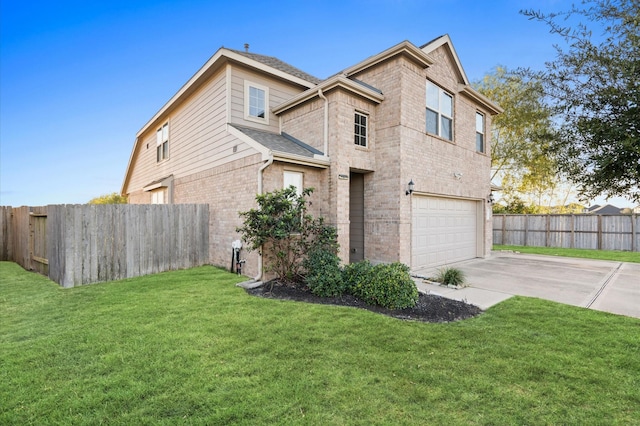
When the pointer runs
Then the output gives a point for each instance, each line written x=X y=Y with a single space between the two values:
x=410 y=186
x=490 y=200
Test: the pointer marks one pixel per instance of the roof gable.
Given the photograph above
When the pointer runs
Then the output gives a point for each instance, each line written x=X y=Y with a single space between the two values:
x=405 y=48
x=445 y=41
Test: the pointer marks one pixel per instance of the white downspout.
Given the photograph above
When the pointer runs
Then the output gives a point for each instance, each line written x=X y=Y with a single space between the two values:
x=260 y=170
x=326 y=122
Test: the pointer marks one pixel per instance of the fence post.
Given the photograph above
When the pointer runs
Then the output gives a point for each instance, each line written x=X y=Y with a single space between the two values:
x=573 y=228
x=547 y=230
x=633 y=232
x=504 y=226
x=599 y=232
x=526 y=230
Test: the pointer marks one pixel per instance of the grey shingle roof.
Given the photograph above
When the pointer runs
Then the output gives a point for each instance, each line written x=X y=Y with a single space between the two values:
x=279 y=65
x=279 y=142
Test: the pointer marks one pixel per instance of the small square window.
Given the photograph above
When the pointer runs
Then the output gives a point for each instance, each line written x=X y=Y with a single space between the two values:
x=360 y=129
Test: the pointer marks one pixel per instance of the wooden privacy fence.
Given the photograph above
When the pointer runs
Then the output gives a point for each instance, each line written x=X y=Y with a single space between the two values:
x=599 y=232
x=81 y=244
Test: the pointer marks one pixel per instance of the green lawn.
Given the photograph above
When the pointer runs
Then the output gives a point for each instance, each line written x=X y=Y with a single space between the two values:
x=188 y=347
x=615 y=255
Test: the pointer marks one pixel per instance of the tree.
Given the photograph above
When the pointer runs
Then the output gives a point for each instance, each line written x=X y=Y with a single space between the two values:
x=113 y=198
x=521 y=161
x=523 y=131
x=593 y=88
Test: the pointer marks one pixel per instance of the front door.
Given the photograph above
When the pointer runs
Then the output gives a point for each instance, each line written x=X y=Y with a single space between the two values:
x=356 y=217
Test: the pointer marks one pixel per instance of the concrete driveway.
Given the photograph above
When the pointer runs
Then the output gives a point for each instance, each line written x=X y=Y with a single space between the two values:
x=595 y=284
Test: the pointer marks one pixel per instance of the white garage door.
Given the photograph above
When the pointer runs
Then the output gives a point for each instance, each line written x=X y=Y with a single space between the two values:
x=444 y=231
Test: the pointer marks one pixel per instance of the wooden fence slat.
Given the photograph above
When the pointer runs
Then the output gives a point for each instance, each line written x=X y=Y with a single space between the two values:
x=603 y=232
x=82 y=244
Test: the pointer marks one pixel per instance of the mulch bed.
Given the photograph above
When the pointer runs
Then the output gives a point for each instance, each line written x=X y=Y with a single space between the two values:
x=430 y=308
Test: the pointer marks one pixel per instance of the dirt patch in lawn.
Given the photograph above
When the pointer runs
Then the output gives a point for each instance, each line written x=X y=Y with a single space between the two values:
x=430 y=308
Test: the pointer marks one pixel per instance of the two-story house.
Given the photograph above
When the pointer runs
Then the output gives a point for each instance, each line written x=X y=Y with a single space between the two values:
x=247 y=123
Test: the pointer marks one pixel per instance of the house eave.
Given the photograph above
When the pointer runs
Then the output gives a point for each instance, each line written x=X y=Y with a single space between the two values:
x=405 y=48
x=337 y=81
x=470 y=92
x=220 y=58
x=317 y=161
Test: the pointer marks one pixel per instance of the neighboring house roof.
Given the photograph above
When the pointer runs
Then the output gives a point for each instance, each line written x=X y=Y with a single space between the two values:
x=606 y=209
x=279 y=65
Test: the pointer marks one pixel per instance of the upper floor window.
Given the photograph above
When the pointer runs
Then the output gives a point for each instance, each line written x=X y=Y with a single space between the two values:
x=479 y=132
x=256 y=102
x=360 y=129
x=439 y=112
x=162 y=143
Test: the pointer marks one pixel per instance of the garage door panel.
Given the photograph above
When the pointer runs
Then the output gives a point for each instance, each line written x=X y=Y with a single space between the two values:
x=444 y=231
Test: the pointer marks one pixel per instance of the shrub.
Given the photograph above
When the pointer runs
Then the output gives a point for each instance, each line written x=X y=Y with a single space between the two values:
x=324 y=277
x=284 y=233
x=386 y=285
x=451 y=276
x=355 y=273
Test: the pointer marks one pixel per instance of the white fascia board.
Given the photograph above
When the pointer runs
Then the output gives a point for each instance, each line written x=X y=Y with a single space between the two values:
x=331 y=83
x=152 y=187
x=317 y=161
x=187 y=87
x=127 y=173
x=469 y=91
x=266 y=152
x=406 y=48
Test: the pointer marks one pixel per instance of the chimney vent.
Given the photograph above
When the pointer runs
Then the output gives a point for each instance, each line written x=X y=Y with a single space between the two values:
x=246 y=47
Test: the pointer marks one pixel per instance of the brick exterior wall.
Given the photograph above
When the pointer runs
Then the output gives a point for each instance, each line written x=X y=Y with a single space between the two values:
x=227 y=189
x=398 y=150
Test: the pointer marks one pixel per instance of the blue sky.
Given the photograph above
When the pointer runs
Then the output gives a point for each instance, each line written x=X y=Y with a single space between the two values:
x=78 y=79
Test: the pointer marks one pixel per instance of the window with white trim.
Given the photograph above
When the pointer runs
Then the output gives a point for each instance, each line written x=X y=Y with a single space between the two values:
x=162 y=143
x=256 y=102
x=360 y=129
x=479 y=132
x=159 y=196
x=439 y=112
x=294 y=179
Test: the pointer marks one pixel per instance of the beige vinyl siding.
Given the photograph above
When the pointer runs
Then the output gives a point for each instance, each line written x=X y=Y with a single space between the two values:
x=279 y=92
x=198 y=139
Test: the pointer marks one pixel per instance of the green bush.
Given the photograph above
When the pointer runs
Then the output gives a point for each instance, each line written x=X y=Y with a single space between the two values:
x=386 y=285
x=355 y=273
x=324 y=277
x=451 y=276
x=284 y=233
